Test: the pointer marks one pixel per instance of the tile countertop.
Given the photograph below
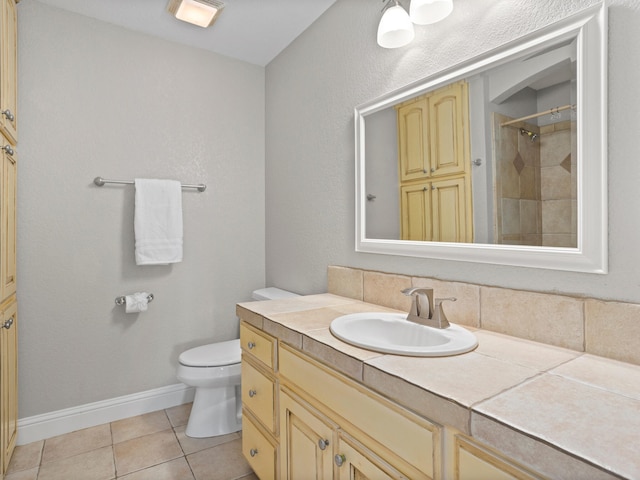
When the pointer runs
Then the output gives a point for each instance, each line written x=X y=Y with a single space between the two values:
x=563 y=401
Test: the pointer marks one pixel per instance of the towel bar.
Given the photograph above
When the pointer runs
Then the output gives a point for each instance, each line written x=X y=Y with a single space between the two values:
x=99 y=181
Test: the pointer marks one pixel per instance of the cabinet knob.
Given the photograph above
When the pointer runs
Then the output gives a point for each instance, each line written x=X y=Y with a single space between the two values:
x=8 y=149
x=340 y=459
x=433 y=169
x=10 y=116
x=323 y=443
x=252 y=393
x=251 y=345
x=8 y=323
x=253 y=452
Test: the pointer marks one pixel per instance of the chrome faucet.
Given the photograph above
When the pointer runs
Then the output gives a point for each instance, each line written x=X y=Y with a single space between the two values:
x=422 y=308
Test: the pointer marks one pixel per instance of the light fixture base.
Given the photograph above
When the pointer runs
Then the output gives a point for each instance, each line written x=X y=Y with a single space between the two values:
x=202 y=13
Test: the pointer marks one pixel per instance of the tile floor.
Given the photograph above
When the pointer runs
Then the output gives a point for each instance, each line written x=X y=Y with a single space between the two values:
x=148 y=447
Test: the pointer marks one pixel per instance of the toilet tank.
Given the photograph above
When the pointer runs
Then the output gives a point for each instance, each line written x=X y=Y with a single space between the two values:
x=272 y=293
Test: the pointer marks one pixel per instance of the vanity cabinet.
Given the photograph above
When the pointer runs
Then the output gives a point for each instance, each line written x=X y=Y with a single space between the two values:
x=325 y=415
x=434 y=166
x=8 y=70
x=471 y=460
x=259 y=398
x=8 y=381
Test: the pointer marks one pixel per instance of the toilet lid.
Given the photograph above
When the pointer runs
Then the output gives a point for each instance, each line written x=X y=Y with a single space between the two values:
x=212 y=355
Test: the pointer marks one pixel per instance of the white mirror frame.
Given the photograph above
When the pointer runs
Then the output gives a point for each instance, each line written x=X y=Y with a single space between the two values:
x=589 y=27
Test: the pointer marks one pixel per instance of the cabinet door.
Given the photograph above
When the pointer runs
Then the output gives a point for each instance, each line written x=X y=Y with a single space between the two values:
x=8 y=70
x=451 y=211
x=413 y=144
x=449 y=130
x=306 y=441
x=8 y=183
x=415 y=211
x=355 y=462
x=8 y=382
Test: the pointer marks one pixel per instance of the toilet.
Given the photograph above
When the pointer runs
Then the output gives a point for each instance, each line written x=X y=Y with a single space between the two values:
x=214 y=371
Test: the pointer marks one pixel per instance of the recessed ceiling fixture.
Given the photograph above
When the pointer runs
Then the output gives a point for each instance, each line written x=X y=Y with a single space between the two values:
x=198 y=12
x=396 y=25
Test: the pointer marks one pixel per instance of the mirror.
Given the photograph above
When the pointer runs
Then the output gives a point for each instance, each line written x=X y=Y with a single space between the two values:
x=499 y=160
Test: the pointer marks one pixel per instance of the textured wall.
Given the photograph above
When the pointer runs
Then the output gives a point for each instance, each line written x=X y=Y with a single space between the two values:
x=94 y=100
x=313 y=86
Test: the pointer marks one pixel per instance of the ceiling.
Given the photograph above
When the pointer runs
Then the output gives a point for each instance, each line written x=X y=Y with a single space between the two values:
x=253 y=31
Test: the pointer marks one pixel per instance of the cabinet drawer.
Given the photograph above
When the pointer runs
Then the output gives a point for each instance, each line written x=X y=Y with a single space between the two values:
x=474 y=462
x=258 y=394
x=413 y=439
x=258 y=450
x=258 y=344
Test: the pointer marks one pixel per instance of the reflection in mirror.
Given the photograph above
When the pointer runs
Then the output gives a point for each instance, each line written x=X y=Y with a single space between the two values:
x=491 y=161
x=487 y=159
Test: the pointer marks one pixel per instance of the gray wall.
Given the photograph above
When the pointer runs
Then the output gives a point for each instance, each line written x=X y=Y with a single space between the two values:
x=313 y=86
x=94 y=100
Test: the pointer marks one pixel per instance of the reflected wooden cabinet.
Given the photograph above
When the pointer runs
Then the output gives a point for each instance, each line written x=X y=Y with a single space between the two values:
x=8 y=381
x=437 y=211
x=434 y=166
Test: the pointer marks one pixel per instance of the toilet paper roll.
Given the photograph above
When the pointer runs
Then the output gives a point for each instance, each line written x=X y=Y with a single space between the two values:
x=136 y=302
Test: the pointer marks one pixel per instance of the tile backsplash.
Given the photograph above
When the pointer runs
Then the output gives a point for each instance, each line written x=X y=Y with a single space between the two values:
x=607 y=329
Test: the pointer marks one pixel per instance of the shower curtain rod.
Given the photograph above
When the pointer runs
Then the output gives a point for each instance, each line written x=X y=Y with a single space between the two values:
x=99 y=181
x=539 y=114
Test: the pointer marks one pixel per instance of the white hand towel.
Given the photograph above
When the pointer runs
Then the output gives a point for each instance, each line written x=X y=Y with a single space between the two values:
x=158 y=222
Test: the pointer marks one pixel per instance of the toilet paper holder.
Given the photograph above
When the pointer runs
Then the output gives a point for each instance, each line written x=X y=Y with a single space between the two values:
x=122 y=300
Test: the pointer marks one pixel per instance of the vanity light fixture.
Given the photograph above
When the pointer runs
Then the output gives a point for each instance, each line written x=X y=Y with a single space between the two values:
x=425 y=12
x=198 y=12
x=395 y=29
x=396 y=26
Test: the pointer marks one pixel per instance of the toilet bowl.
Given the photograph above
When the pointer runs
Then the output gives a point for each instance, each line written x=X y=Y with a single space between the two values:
x=214 y=371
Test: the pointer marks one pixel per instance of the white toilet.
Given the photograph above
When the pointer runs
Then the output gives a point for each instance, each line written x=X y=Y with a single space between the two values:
x=214 y=370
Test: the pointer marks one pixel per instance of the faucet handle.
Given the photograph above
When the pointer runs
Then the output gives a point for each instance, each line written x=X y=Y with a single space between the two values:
x=438 y=315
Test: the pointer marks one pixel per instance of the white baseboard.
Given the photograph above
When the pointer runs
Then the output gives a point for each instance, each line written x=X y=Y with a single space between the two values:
x=47 y=425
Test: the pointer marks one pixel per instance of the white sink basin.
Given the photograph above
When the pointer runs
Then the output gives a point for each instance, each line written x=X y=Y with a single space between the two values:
x=393 y=333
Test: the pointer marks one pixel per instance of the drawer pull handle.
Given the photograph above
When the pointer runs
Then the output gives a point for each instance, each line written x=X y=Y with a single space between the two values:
x=252 y=393
x=7 y=113
x=322 y=443
x=251 y=345
x=8 y=150
x=8 y=323
x=340 y=459
x=253 y=452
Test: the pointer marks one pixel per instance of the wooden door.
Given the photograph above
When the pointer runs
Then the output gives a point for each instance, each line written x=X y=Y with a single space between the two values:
x=415 y=212
x=413 y=141
x=451 y=208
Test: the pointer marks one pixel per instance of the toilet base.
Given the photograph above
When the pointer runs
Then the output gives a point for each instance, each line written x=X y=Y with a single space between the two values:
x=215 y=411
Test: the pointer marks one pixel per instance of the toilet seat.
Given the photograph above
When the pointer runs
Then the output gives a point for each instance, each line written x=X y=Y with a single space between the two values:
x=212 y=355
